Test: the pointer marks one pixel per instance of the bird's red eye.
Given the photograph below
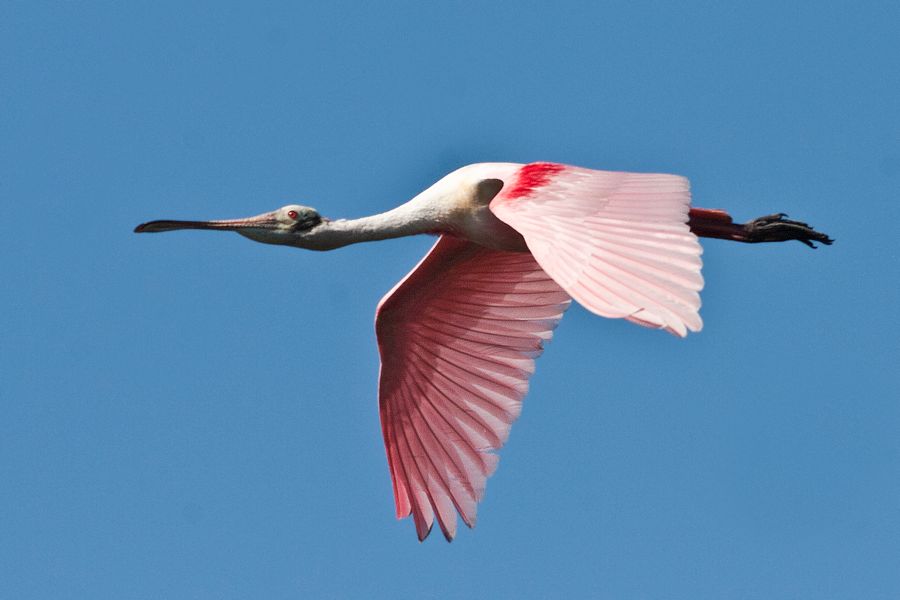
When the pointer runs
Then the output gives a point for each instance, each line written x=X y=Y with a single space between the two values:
x=293 y=214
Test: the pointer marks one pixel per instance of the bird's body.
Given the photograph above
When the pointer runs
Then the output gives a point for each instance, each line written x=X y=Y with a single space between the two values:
x=458 y=336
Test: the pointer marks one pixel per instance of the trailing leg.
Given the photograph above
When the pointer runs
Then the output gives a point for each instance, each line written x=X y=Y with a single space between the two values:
x=714 y=223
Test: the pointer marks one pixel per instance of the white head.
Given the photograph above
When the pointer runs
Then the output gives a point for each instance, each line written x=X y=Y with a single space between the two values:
x=289 y=225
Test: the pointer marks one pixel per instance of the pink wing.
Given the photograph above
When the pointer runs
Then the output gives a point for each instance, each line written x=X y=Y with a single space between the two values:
x=618 y=243
x=458 y=337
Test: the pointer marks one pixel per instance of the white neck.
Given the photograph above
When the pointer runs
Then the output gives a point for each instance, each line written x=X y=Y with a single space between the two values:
x=412 y=218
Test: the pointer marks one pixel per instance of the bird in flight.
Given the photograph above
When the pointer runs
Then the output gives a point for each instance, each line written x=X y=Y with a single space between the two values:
x=458 y=336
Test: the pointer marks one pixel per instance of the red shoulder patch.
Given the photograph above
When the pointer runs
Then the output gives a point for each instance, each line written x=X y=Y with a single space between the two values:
x=531 y=177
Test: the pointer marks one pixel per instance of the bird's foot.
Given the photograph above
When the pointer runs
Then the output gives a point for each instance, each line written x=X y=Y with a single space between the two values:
x=776 y=228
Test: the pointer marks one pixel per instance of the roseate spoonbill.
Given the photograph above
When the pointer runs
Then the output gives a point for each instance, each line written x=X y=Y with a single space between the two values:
x=458 y=336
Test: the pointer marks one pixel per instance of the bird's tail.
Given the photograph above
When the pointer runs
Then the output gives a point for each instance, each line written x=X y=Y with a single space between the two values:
x=714 y=223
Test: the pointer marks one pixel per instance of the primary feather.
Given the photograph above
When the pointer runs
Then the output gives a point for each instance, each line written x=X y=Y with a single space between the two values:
x=458 y=338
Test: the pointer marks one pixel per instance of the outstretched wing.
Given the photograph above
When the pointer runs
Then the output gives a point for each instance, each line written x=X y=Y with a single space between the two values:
x=458 y=337
x=618 y=243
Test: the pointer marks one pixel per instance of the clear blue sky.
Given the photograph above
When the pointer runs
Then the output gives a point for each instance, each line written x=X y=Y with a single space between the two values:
x=194 y=415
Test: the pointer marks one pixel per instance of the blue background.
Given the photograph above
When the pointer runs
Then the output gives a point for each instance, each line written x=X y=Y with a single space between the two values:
x=194 y=416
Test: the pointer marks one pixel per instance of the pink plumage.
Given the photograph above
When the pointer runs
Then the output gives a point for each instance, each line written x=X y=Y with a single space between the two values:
x=619 y=243
x=459 y=335
x=458 y=338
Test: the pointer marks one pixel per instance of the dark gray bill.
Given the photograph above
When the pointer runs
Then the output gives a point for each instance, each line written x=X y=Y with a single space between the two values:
x=266 y=221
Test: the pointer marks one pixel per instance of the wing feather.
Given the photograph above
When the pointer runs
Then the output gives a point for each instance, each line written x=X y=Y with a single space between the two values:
x=617 y=242
x=458 y=337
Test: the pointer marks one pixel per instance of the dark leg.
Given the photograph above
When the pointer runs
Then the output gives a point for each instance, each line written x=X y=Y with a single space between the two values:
x=712 y=223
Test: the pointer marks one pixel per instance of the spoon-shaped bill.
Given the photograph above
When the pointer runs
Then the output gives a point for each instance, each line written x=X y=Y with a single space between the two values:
x=266 y=221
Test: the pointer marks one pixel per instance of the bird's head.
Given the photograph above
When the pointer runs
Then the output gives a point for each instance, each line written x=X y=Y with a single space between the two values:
x=289 y=225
